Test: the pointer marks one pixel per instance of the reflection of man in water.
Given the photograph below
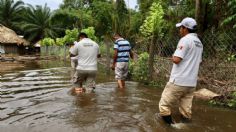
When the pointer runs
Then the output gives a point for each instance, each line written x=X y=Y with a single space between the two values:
x=183 y=79
x=87 y=51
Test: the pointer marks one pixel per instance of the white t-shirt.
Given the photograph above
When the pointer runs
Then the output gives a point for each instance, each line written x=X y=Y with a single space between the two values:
x=190 y=50
x=87 y=51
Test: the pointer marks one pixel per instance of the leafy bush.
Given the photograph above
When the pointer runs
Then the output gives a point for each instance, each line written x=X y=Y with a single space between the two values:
x=139 y=68
x=231 y=58
x=60 y=41
x=47 y=42
x=90 y=32
x=154 y=23
x=226 y=101
x=71 y=36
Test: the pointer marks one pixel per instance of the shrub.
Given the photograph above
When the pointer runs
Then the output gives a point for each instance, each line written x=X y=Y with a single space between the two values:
x=139 y=68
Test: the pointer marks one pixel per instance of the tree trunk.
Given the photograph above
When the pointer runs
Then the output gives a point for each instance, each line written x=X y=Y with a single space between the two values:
x=151 y=58
x=198 y=10
x=198 y=14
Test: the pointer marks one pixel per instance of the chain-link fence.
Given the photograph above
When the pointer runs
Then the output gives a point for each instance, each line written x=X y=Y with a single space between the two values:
x=218 y=69
x=59 y=51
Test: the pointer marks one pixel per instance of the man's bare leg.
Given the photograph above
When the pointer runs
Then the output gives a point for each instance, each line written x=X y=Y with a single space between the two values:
x=123 y=83
x=120 y=85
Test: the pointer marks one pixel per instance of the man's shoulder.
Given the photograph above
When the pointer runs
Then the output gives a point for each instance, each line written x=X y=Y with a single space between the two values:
x=188 y=39
x=122 y=41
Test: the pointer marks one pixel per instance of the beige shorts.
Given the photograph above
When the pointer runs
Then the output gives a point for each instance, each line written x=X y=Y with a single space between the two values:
x=84 y=76
x=121 y=70
x=174 y=94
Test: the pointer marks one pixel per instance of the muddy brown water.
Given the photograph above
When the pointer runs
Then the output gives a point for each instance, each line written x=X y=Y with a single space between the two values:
x=37 y=98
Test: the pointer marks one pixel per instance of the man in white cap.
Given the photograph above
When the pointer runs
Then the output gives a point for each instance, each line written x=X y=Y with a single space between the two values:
x=183 y=79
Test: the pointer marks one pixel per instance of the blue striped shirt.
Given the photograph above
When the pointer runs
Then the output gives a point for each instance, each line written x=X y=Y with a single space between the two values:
x=123 y=48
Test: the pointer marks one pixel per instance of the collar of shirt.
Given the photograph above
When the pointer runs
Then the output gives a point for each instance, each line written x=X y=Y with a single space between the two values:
x=193 y=34
x=119 y=39
x=86 y=39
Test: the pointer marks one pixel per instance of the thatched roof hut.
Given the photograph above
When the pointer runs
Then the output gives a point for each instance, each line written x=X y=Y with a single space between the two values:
x=10 y=42
x=8 y=36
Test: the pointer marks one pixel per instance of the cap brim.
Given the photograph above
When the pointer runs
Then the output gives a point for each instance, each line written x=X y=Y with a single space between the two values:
x=178 y=25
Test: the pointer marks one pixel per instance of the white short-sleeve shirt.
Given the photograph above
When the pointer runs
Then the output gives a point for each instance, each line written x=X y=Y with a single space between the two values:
x=190 y=50
x=86 y=51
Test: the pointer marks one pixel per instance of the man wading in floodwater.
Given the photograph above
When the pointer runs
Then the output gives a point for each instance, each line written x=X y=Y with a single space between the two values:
x=183 y=79
x=122 y=53
x=87 y=52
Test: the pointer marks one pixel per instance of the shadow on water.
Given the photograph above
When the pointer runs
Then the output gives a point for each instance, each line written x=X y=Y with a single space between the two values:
x=38 y=99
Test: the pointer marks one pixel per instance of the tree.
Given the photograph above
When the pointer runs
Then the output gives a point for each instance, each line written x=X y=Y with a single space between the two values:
x=144 y=6
x=65 y=18
x=75 y=4
x=37 y=23
x=9 y=12
x=153 y=27
x=121 y=18
x=71 y=4
x=102 y=12
x=231 y=18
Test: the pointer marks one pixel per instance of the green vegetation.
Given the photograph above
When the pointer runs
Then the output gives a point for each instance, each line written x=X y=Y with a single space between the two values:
x=10 y=12
x=154 y=23
x=226 y=101
x=108 y=16
x=139 y=68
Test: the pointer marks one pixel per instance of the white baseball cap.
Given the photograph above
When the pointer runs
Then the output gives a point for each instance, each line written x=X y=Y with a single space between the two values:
x=188 y=22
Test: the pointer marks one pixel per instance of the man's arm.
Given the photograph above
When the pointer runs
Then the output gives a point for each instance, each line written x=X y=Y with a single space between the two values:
x=73 y=51
x=99 y=56
x=114 y=59
x=131 y=54
x=72 y=55
x=176 y=59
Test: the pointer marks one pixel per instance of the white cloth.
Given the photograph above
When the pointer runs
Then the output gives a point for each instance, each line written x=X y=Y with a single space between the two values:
x=2 y=51
x=86 y=51
x=190 y=50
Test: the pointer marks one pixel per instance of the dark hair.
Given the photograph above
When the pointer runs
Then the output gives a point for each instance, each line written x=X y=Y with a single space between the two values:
x=83 y=35
x=194 y=30
x=117 y=34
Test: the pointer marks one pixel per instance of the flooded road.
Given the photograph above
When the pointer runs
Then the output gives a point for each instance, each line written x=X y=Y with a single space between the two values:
x=38 y=99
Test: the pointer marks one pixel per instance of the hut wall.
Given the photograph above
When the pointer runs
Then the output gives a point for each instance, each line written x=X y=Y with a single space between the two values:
x=11 y=48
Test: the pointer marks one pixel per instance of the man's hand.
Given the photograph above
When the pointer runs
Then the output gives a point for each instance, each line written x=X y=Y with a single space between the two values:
x=113 y=67
x=176 y=59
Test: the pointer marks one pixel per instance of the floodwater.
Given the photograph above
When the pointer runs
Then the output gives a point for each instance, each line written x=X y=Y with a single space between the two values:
x=38 y=99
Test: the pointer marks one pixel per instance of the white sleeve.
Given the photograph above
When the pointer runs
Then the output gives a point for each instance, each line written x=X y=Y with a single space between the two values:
x=116 y=45
x=98 y=49
x=182 y=49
